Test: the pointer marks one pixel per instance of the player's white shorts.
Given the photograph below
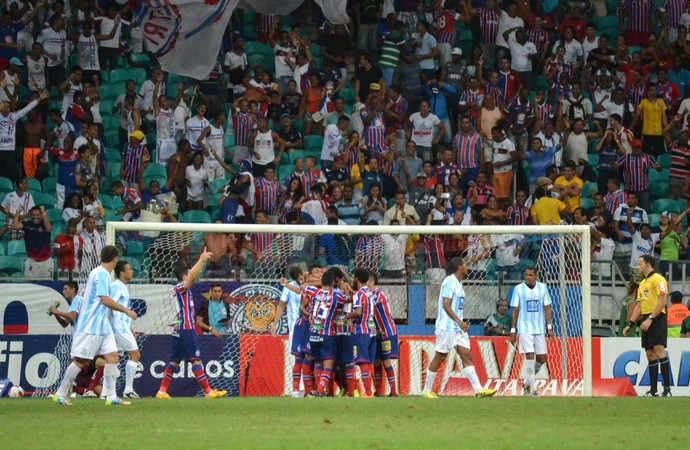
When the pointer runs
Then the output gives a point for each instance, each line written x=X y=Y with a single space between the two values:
x=126 y=342
x=448 y=340
x=87 y=346
x=532 y=343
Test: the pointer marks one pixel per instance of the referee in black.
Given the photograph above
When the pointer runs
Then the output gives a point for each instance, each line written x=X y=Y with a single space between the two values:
x=651 y=307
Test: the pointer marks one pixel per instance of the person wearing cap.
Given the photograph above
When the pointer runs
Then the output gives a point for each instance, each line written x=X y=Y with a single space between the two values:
x=653 y=112
x=454 y=73
x=426 y=49
x=132 y=154
x=289 y=134
x=366 y=74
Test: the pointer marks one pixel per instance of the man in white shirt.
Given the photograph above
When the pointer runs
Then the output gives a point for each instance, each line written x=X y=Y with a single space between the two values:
x=54 y=41
x=506 y=20
x=18 y=202
x=284 y=60
x=146 y=94
x=332 y=141
x=522 y=52
x=8 y=130
x=504 y=155
x=420 y=129
x=394 y=254
x=426 y=49
x=109 y=49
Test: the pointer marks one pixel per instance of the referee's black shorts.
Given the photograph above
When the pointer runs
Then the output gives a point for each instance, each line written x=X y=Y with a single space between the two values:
x=657 y=332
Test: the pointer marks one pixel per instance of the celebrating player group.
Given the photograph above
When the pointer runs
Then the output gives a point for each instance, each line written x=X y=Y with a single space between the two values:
x=336 y=326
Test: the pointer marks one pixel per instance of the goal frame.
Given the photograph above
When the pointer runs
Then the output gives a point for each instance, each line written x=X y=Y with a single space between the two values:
x=582 y=230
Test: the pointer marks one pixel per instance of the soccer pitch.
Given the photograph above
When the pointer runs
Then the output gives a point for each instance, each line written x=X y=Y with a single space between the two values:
x=386 y=423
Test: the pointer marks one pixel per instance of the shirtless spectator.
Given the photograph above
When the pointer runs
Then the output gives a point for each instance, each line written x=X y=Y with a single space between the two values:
x=218 y=266
x=32 y=158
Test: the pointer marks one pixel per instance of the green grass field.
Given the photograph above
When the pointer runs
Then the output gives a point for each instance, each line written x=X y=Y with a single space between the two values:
x=388 y=423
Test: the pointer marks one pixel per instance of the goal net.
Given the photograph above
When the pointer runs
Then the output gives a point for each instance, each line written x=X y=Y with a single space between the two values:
x=410 y=263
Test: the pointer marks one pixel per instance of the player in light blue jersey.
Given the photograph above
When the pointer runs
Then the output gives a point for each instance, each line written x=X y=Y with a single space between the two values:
x=69 y=292
x=291 y=299
x=531 y=305
x=451 y=331
x=122 y=325
x=94 y=334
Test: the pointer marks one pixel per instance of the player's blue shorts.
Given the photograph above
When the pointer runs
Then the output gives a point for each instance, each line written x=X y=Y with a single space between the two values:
x=387 y=348
x=300 y=339
x=346 y=350
x=184 y=346
x=365 y=348
x=322 y=347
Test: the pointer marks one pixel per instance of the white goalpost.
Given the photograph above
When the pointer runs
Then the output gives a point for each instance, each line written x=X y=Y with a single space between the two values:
x=251 y=361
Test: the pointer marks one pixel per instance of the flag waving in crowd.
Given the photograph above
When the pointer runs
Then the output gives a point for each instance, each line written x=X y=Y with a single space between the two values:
x=177 y=29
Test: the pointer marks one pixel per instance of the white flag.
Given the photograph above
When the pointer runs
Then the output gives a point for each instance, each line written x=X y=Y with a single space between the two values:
x=185 y=35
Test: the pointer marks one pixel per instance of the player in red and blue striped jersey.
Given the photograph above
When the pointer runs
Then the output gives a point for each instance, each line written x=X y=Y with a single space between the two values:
x=363 y=334
x=386 y=339
x=185 y=345
x=131 y=201
x=323 y=341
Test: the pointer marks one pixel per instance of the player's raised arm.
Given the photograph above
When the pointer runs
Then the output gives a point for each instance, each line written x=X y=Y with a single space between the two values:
x=198 y=267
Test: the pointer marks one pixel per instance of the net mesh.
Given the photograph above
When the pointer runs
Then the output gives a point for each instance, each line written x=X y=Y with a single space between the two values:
x=248 y=360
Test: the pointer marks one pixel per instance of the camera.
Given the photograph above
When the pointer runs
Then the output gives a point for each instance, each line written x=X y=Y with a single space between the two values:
x=445 y=196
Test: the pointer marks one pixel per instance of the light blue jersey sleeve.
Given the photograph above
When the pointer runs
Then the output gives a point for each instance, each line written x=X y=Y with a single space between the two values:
x=103 y=289
x=76 y=304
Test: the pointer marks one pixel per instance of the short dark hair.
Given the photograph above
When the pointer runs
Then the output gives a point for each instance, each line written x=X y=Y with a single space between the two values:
x=649 y=259
x=181 y=271
x=328 y=278
x=454 y=264
x=72 y=285
x=362 y=275
x=109 y=253
x=215 y=285
x=120 y=267
x=532 y=268
x=295 y=272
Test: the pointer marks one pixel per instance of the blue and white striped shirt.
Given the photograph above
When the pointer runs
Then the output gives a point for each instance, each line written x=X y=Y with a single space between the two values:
x=292 y=302
x=451 y=288
x=120 y=294
x=531 y=318
x=74 y=307
x=94 y=316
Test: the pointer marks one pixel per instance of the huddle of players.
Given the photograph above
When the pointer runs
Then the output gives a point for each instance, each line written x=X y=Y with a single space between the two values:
x=342 y=326
x=101 y=325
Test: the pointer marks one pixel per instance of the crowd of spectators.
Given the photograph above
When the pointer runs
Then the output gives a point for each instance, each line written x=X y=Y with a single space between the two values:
x=440 y=112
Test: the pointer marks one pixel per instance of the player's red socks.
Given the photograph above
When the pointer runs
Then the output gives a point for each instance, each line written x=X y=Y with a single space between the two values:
x=351 y=379
x=297 y=373
x=200 y=375
x=95 y=379
x=308 y=375
x=365 y=369
x=170 y=370
x=390 y=373
x=317 y=373
x=324 y=379
x=378 y=379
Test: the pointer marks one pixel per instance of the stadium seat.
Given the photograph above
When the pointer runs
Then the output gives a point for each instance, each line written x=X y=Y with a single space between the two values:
x=49 y=185
x=296 y=154
x=140 y=57
x=682 y=205
x=541 y=83
x=16 y=248
x=284 y=171
x=112 y=138
x=11 y=265
x=658 y=176
x=664 y=160
x=34 y=185
x=117 y=203
x=229 y=140
x=586 y=203
x=607 y=22
x=135 y=248
x=113 y=155
x=313 y=142
x=2 y=249
x=59 y=227
x=106 y=201
x=256 y=47
x=654 y=220
x=111 y=123
x=54 y=215
x=114 y=171
x=315 y=49
x=160 y=179
x=664 y=204
x=348 y=95
x=111 y=216
x=6 y=185
x=587 y=187
x=632 y=49
x=298 y=124
x=217 y=185
x=45 y=200
x=111 y=92
x=197 y=217
x=256 y=59
x=659 y=189
x=156 y=169
x=593 y=159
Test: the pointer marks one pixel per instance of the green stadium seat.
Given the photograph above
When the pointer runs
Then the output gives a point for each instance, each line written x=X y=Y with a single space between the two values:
x=664 y=160
x=49 y=185
x=632 y=49
x=112 y=138
x=541 y=83
x=315 y=49
x=197 y=217
x=114 y=171
x=16 y=248
x=45 y=200
x=106 y=201
x=256 y=47
x=140 y=57
x=586 y=203
x=464 y=35
x=659 y=189
x=217 y=185
x=2 y=249
x=654 y=220
x=113 y=155
x=111 y=216
x=256 y=59
x=59 y=227
x=135 y=248
x=610 y=21
x=54 y=215
x=587 y=187
x=117 y=203
x=293 y=155
x=34 y=185
x=111 y=91
x=6 y=185
x=682 y=205
x=284 y=171
x=313 y=142
x=111 y=123
x=665 y=204
x=229 y=140
x=593 y=159
x=156 y=169
x=11 y=265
